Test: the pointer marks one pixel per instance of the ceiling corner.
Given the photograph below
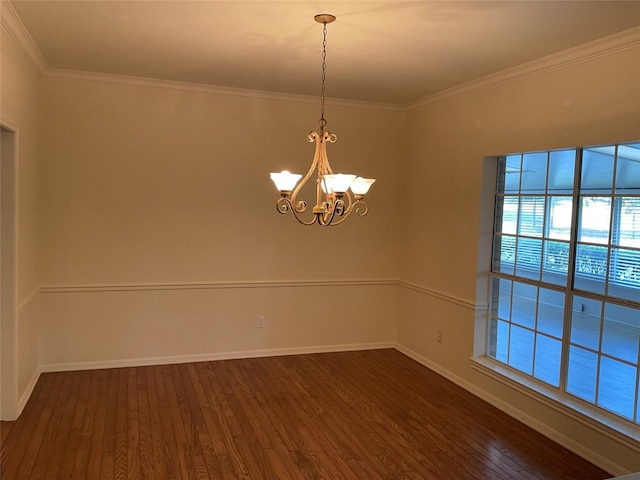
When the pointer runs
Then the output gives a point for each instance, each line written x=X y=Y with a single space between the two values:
x=20 y=37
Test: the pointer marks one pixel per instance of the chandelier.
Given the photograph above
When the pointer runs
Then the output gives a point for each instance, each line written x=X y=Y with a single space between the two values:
x=338 y=195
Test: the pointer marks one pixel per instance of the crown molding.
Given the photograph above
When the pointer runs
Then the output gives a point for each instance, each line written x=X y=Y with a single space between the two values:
x=20 y=37
x=582 y=53
x=225 y=93
x=13 y=27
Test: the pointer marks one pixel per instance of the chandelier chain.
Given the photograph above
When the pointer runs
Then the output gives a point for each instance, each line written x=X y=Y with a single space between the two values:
x=323 y=122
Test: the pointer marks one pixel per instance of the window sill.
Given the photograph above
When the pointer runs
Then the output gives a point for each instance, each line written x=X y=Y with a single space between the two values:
x=613 y=427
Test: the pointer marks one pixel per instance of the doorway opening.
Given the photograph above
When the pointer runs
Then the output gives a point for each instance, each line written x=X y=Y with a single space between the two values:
x=8 y=366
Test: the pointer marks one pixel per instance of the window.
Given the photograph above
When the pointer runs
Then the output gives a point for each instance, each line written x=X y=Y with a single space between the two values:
x=564 y=302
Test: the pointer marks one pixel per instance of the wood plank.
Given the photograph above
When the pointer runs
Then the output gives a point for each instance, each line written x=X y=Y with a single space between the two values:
x=121 y=451
x=5 y=429
x=198 y=410
x=368 y=456
x=311 y=448
x=159 y=460
x=58 y=397
x=63 y=435
x=348 y=415
x=133 y=429
x=188 y=459
x=97 y=435
x=87 y=421
x=147 y=471
x=12 y=433
x=107 y=460
x=221 y=424
x=72 y=446
x=30 y=454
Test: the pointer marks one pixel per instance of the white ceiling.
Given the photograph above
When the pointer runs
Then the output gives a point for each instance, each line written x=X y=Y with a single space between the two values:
x=395 y=52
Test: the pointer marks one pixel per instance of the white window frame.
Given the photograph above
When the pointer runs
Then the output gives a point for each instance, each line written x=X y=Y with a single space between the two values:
x=556 y=397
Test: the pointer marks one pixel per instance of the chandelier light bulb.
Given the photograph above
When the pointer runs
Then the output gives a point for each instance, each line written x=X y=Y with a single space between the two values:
x=360 y=186
x=285 y=181
x=339 y=182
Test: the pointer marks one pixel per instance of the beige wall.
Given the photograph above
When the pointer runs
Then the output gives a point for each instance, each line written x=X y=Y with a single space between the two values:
x=588 y=103
x=19 y=111
x=161 y=239
x=107 y=328
x=158 y=187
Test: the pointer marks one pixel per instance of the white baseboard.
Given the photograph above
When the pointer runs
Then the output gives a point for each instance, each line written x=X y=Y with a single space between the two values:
x=208 y=357
x=24 y=398
x=519 y=415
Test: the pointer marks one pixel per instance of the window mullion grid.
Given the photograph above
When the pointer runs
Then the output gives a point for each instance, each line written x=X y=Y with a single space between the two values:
x=614 y=224
x=515 y=261
x=614 y=239
x=603 y=297
x=568 y=288
x=510 y=324
x=496 y=247
x=599 y=354
x=614 y=227
x=609 y=294
x=544 y=237
x=636 y=404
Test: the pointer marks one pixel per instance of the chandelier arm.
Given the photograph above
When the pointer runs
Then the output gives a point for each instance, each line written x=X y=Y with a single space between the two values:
x=323 y=168
x=326 y=219
x=312 y=137
x=300 y=220
x=342 y=218
x=333 y=224
x=349 y=202
x=360 y=208
x=284 y=205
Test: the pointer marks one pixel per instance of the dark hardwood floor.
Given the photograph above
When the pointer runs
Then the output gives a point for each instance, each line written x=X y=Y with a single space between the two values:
x=354 y=415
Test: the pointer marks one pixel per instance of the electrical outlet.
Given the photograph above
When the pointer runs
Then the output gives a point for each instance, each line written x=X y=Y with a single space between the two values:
x=439 y=336
x=261 y=321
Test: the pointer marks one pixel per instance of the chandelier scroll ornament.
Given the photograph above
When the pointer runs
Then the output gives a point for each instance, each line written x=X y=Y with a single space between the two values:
x=337 y=195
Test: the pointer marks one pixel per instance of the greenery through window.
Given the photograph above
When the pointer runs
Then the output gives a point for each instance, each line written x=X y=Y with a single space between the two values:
x=565 y=279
